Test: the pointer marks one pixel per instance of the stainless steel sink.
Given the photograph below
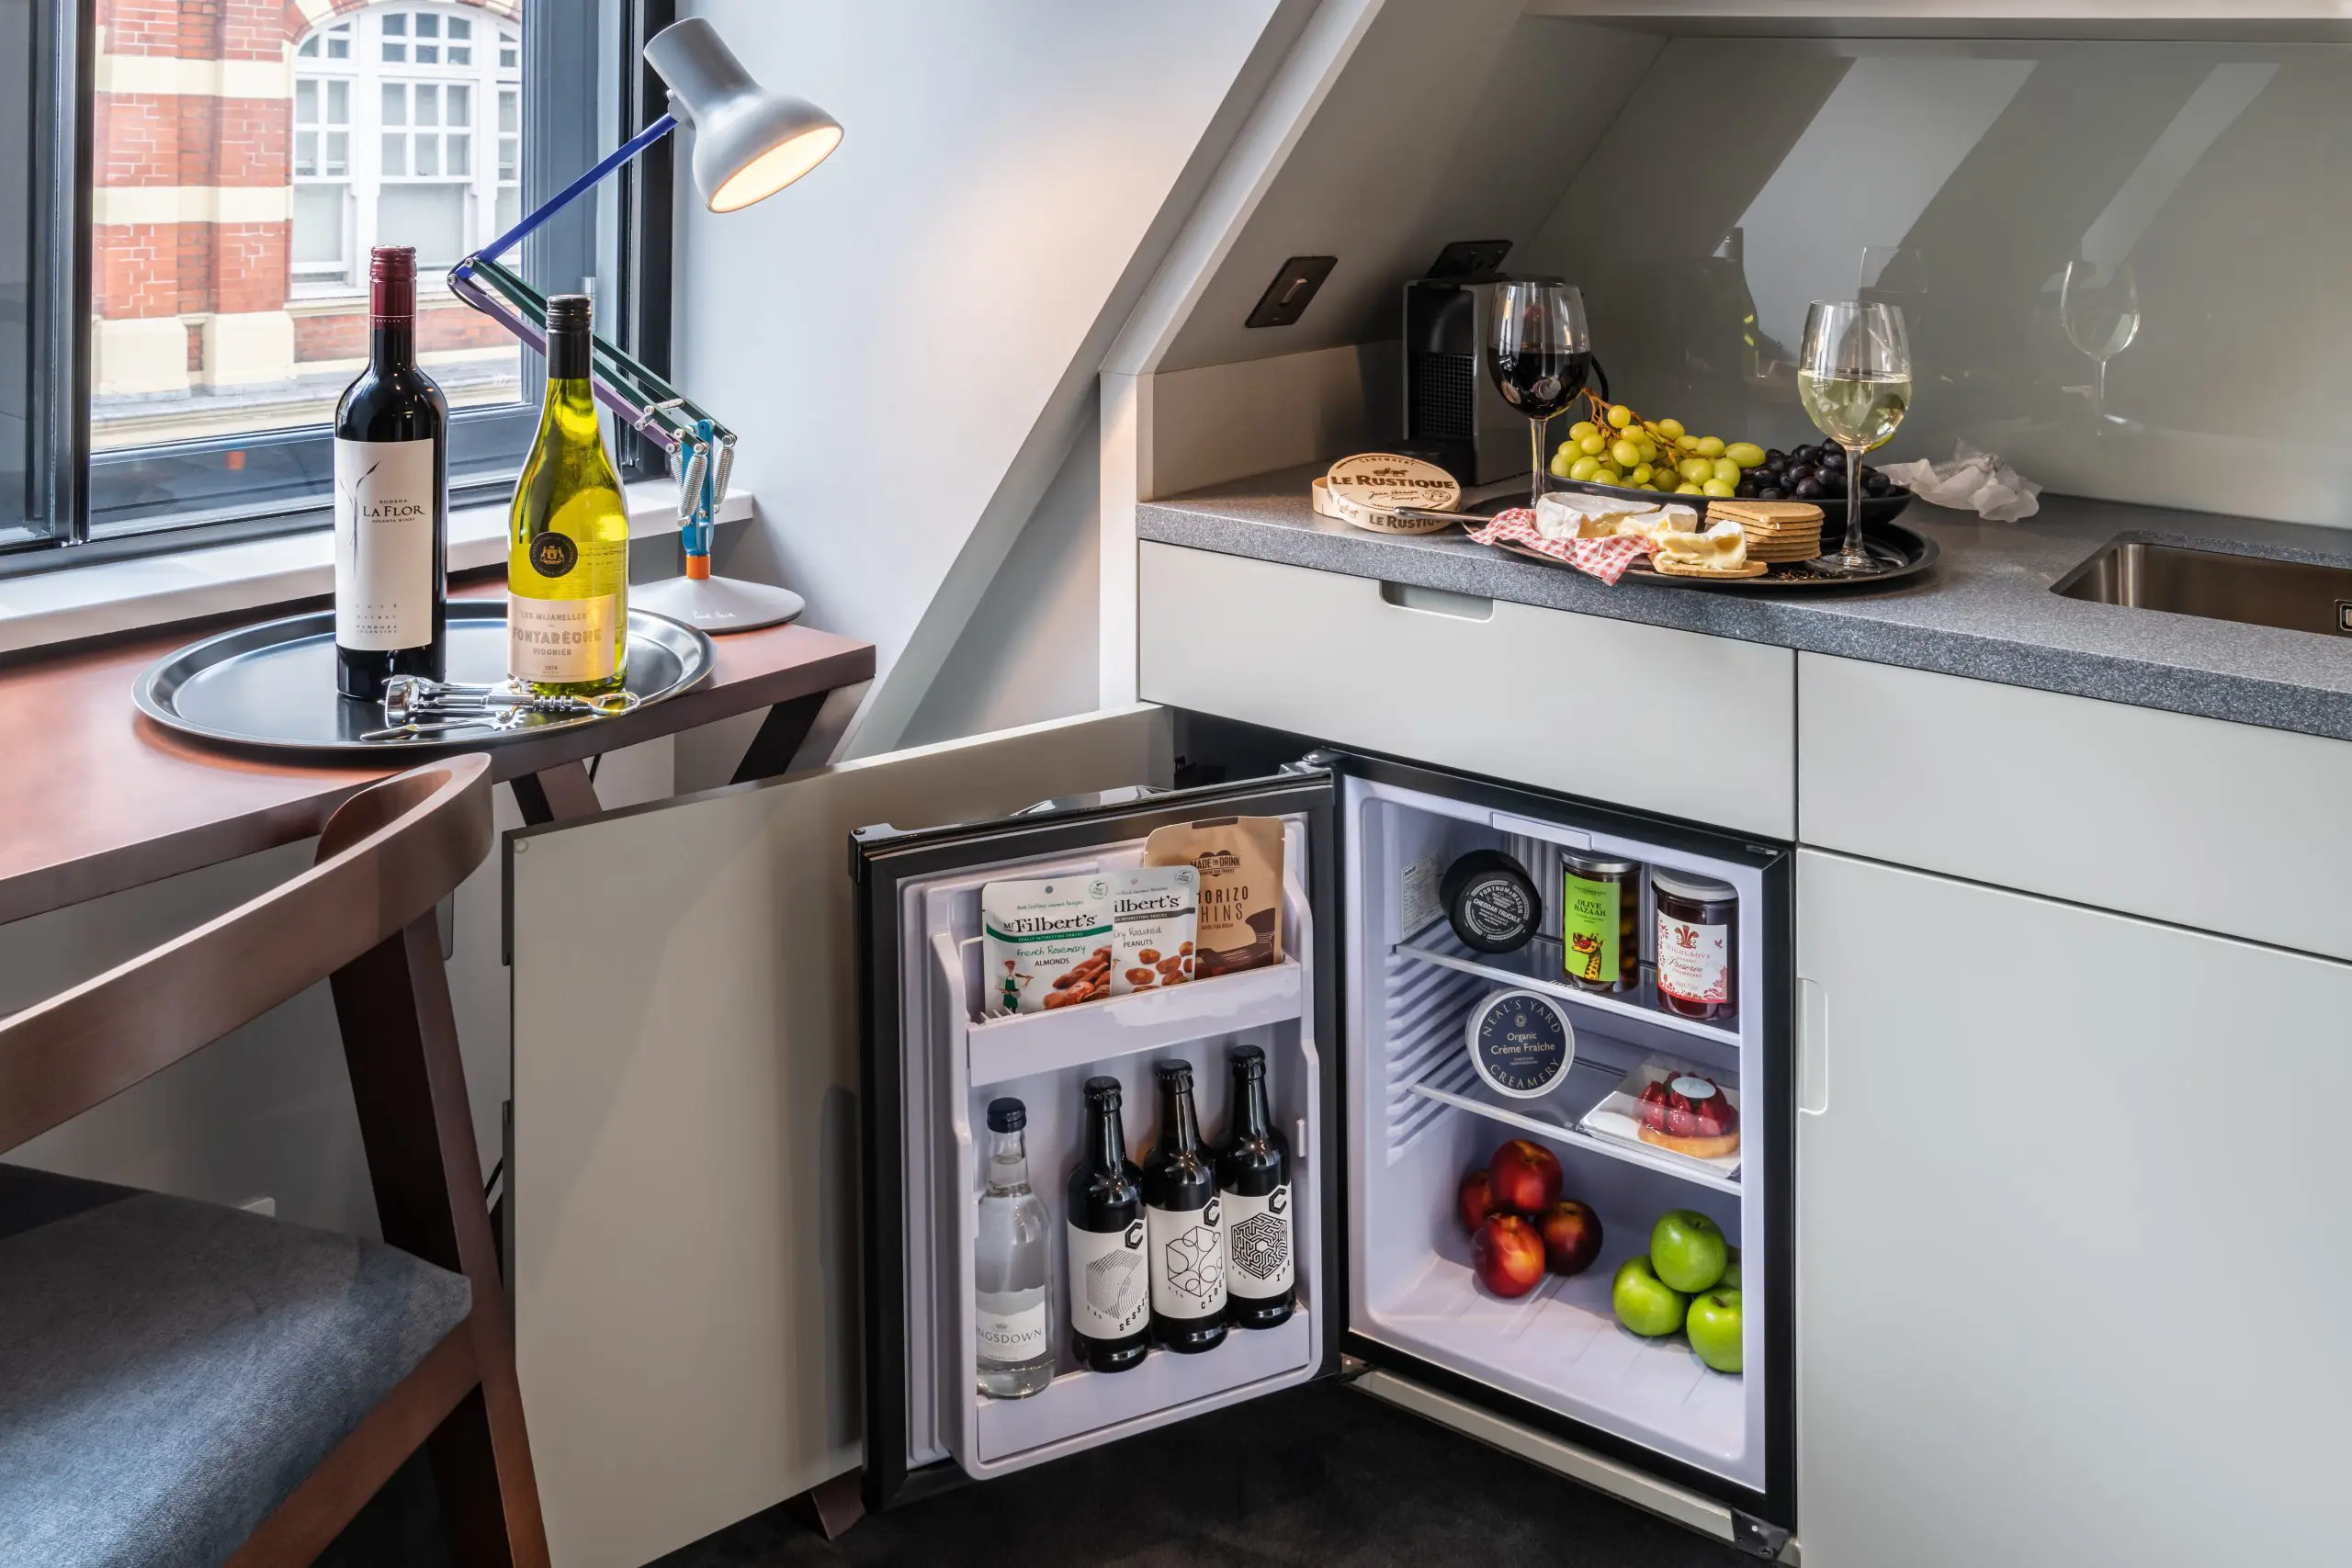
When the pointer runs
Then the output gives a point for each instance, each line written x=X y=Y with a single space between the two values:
x=2301 y=596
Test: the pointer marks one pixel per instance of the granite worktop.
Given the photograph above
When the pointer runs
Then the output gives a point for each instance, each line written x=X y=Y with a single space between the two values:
x=1986 y=611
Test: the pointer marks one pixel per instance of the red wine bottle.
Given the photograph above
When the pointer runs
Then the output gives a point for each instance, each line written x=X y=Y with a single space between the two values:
x=391 y=500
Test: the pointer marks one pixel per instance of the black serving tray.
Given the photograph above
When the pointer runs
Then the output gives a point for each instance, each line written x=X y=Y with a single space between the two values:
x=1914 y=552
x=270 y=688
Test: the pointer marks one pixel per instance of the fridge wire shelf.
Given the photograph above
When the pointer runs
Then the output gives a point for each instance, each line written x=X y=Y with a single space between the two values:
x=1538 y=967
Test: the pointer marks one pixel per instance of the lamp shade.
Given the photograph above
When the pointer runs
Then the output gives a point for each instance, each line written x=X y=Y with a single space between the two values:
x=749 y=143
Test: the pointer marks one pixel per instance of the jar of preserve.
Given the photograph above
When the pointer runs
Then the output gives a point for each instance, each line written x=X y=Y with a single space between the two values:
x=1698 y=943
x=1601 y=921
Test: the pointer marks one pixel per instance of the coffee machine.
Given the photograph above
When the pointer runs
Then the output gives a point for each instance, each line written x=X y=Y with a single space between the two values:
x=1453 y=416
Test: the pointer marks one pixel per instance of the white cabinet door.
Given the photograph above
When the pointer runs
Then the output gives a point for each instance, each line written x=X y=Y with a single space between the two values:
x=2074 y=1239
x=683 y=1193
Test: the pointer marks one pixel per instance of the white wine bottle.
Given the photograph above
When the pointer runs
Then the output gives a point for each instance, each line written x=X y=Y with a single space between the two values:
x=567 y=560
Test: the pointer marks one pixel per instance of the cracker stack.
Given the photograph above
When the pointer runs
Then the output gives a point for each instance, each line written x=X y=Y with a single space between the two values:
x=1777 y=530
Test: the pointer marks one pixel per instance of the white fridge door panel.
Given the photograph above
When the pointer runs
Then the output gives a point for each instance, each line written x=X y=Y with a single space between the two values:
x=2071 y=1250
x=683 y=1193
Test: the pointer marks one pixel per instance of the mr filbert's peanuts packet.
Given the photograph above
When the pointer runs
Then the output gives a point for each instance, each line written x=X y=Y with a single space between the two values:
x=1153 y=915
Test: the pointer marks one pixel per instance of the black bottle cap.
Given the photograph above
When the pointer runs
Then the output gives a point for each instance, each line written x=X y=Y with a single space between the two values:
x=1007 y=1115
x=1250 y=1059
x=570 y=322
x=1102 y=1091
x=1177 y=1073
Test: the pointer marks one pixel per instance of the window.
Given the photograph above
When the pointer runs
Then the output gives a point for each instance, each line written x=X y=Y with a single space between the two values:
x=168 y=370
x=202 y=329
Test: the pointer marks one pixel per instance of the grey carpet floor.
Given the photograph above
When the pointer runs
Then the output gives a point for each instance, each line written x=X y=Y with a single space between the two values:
x=1321 y=1477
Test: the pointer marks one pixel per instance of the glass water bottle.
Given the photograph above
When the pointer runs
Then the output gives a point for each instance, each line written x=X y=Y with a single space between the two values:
x=1014 y=1346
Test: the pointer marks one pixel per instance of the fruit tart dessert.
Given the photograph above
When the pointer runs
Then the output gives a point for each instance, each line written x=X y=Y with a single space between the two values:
x=1690 y=1115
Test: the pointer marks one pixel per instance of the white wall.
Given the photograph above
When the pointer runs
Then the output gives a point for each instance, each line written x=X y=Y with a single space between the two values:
x=906 y=339
x=1028 y=654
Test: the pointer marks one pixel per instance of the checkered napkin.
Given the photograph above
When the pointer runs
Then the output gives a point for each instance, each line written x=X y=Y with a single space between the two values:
x=1604 y=559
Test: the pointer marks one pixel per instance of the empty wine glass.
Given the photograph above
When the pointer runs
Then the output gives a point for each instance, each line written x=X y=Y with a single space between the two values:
x=1854 y=378
x=2099 y=304
x=1539 y=355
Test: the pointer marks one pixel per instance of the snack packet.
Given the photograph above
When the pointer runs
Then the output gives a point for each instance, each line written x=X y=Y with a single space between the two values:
x=1154 y=914
x=1047 y=945
x=1240 y=863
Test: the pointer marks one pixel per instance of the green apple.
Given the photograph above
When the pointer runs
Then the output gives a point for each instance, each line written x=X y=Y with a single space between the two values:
x=1713 y=1328
x=1688 y=1250
x=1646 y=1303
x=1730 y=1281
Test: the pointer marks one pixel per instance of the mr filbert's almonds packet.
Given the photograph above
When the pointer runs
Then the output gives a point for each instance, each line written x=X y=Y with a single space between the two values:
x=1046 y=943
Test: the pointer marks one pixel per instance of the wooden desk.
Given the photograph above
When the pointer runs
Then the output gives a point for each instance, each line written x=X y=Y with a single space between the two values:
x=95 y=797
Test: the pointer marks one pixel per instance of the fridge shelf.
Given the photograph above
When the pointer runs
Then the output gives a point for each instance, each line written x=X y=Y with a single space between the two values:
x=1076 y=1405
x=1016 y=1046
x=1554 y=1118
x=1561 y=1345
x=1538 y=967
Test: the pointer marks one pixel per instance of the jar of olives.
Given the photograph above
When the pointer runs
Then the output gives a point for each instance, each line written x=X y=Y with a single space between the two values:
x=1601 y=914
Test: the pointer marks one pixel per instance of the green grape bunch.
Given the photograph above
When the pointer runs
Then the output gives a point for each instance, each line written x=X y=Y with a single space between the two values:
x=1617 y=446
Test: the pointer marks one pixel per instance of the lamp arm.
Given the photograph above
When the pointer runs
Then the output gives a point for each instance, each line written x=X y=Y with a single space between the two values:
x=639 y=397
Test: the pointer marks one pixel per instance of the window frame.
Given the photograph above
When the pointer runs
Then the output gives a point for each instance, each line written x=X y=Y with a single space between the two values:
x=278 y=484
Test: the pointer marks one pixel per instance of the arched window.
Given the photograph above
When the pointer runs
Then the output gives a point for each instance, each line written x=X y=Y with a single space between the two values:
x=407 y=132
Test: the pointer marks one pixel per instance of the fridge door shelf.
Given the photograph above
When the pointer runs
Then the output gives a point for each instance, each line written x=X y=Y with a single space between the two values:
x=1553 y=1118
x=1020 y=1046
x=1073 y=1410
x=1538 y=967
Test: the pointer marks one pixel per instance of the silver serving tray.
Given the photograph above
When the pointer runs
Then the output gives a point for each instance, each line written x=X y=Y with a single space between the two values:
x=270 y=688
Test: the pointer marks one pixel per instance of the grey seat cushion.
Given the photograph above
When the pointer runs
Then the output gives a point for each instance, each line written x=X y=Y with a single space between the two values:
x=170 y=1371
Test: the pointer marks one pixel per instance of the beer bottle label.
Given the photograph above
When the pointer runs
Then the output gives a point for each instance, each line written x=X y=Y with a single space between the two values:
x=1187 y=1260
x=1258 y=1237
x=1109 y=1292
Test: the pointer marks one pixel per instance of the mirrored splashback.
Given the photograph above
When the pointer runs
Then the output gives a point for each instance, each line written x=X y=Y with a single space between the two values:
x=2127 y=267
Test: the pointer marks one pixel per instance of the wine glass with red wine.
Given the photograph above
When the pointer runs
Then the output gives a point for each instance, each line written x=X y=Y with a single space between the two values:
x=1540 y=354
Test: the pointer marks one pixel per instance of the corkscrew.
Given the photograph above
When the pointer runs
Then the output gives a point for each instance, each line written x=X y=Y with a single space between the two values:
x=414 y=704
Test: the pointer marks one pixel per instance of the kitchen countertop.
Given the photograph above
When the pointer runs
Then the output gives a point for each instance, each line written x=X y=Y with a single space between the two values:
x=1986 y=611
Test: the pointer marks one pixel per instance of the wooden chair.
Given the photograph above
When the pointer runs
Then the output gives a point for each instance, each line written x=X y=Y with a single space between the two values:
x=186 y=1383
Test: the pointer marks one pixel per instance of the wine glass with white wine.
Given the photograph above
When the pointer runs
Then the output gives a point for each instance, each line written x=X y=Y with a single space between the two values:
x=1854 y=378
x=2099 y=304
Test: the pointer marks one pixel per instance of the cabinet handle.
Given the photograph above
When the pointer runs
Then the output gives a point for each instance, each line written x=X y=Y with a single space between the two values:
x=1813 y=1049
x=1439 y=601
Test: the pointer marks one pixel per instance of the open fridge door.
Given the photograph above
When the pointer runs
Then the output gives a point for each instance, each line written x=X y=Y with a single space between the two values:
x=938 y=1045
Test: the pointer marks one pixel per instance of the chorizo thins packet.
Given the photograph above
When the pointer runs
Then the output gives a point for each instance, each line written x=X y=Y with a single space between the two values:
x=1152 y=915
x=1046 y=944
x=1240 y=863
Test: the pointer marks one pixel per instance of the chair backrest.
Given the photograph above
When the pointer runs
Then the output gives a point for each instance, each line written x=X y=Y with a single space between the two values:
x=388 y=855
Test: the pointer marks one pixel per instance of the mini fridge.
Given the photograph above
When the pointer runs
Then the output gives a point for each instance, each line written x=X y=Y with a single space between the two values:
x=1364 y=1025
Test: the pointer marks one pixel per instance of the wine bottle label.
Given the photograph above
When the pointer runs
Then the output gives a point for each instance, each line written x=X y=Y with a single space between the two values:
x=1257 y=1232
x=384 y=565
x=560 y=640
x=1109 y=1292
x=1016 y=1335
x=1187 y=1259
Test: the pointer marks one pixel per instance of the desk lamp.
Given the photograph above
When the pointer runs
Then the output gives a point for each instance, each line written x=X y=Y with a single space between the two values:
x=749 y=144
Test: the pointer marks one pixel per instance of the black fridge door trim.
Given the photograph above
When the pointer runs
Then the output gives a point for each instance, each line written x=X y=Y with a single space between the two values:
x=882 y=858
x=1776 y=1503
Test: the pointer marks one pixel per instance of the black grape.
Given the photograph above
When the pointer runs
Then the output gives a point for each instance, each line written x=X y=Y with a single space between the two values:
x=1810 y=490
x=1771 y=492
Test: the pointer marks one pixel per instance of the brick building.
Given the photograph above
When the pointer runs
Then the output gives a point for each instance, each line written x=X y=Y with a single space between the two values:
x=247 y=153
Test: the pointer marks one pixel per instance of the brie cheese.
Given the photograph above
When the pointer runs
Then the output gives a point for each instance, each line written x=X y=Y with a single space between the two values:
x=1571 y=514
x=1722 y=548
x=1653 y=520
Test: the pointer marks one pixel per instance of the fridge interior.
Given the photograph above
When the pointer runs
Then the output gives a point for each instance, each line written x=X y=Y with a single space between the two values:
x=1419 y=1118
x=957 y=1059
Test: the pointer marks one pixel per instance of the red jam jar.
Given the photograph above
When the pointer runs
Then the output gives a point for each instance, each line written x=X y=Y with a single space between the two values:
x=1698 y=944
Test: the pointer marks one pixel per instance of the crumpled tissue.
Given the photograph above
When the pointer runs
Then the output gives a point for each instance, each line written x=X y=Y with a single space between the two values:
x=1973 y=481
